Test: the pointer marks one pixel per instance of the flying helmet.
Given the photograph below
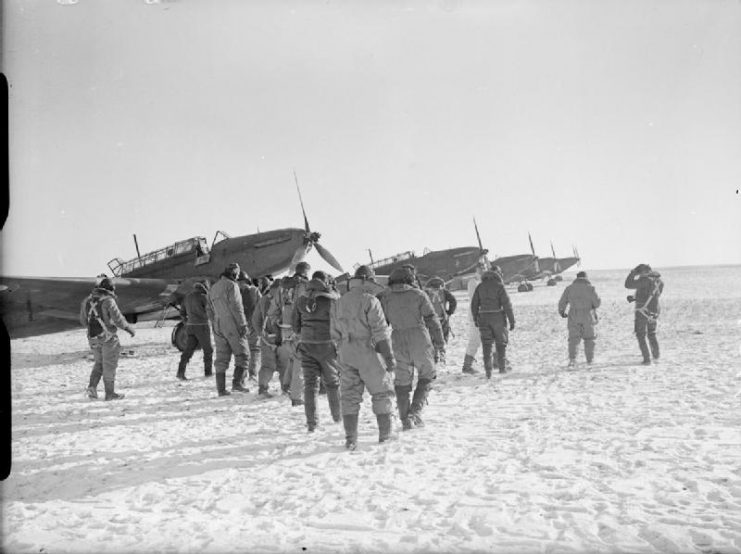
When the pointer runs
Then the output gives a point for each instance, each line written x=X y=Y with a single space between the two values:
x=401 y=275
x=365 y=272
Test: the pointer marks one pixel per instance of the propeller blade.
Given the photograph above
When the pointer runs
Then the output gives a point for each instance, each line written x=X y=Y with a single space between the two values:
x=478 y=237
x=301 y=200
x=532 y=248
x=553 y=251
x=328 y=257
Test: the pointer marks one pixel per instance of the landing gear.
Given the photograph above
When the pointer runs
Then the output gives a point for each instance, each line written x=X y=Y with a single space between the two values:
x=179 y=337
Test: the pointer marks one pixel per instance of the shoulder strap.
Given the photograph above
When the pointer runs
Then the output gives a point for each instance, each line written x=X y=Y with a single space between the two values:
x=93 y=312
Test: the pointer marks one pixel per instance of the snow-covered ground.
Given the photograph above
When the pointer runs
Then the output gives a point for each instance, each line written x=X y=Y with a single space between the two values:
x=617 y=457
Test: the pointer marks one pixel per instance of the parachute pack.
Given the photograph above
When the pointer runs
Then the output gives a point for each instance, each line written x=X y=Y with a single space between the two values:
x=281 y=310
x=95 y=325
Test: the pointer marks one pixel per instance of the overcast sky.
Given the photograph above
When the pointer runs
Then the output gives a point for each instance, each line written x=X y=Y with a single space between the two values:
x=614 y=126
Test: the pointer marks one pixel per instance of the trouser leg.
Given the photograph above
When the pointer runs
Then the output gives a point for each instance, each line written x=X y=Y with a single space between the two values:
x=311 y=390
x=501 y=339
x=97 y=372
x=267 y=365
x=589 y=350
x=191 y=342
x=474 y=339
x=403 y=394
x=297 y=377
x=110 y=350
x=640 y=330
x=351 y=390
x=501 y=349
x=330 y=378
x=652 y=340
x=486 y=346
x=223 y=354
x=241 y=351
x=255 y=354
x=574 y=341
x=203 y=334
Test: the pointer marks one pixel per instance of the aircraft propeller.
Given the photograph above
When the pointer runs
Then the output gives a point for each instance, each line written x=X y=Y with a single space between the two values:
x=556 y=265
x=482 y=251
x=311 y=238
x=576 y=255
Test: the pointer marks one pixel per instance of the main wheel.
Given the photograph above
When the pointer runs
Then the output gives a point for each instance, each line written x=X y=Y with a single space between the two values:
x=180 y=336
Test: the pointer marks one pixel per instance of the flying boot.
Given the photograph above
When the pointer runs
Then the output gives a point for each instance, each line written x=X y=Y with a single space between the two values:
x=237 y=380
x=262 y=391
x=109 y=393
x=92 y=389
x=351 y=430
x=419 y=401
x=402 y=402
x=384 y=427
x=221 y=384
x=468 y=364
x=181 y=372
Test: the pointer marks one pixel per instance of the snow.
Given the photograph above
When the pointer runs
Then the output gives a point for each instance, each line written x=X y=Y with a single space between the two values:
x=617 y=457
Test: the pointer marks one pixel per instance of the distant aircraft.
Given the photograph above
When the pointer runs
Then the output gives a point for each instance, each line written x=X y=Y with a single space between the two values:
x=148 y=286
x=555 y=266
x=454 y=265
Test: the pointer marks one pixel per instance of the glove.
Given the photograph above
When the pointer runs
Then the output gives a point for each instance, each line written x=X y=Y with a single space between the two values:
x=243 y=330
x=131 y=331
x=383 y=347
x=476 y=321
x=630 y=298
x=563 y=314
x=511 y=325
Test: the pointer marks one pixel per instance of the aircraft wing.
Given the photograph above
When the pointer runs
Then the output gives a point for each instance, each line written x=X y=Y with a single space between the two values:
x=33 y=306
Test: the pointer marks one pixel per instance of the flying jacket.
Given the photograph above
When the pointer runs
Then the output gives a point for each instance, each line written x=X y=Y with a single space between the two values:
x=407 y=307
x=194 y=305
x=225 y=307
x=490 y=296
x=581 y=298
x=645 y=284
x=357 y=323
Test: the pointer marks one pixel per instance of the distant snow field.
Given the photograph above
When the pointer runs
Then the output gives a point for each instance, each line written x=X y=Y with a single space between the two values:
x=617 y=457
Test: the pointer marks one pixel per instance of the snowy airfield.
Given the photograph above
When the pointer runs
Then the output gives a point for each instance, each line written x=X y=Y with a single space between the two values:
x=617 y=457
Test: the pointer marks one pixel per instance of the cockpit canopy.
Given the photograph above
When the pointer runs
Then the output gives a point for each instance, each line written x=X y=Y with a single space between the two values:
x=197 y=245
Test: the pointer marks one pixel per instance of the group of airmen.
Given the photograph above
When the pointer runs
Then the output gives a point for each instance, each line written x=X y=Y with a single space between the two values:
x=343 y=339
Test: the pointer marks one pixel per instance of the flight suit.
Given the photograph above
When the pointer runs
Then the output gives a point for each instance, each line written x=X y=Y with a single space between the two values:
x=581 y=299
